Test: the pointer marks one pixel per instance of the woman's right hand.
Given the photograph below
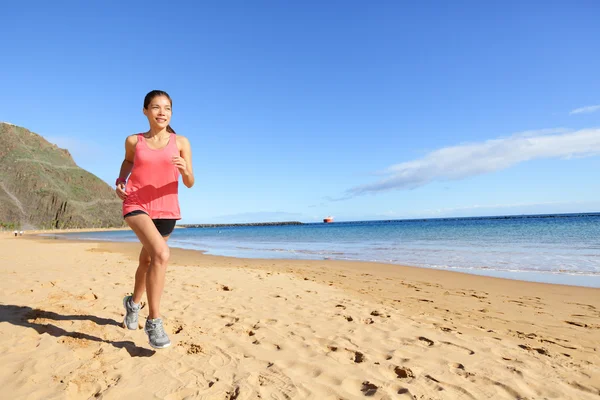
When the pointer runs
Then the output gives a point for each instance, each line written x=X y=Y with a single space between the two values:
x=121 y=191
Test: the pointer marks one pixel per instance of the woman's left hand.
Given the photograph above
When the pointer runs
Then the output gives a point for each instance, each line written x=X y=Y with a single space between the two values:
x=180 y=163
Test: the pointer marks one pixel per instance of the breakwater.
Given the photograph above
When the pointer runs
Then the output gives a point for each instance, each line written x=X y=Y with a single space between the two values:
x=240 y=224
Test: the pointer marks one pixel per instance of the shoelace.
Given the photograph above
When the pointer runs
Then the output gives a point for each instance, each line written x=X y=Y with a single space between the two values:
x=158 y=328
x=134 y=308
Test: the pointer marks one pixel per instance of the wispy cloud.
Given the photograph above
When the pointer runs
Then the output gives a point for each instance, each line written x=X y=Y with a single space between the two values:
x=462 y=161
x=585 y=110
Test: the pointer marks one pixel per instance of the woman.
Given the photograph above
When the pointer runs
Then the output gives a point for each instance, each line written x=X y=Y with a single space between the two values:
x=155 y=160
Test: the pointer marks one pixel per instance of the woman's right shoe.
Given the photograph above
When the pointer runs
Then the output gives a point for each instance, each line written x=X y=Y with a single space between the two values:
x=156 y=333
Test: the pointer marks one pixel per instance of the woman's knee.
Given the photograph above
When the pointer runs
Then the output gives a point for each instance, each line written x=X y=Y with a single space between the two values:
x=161 y=255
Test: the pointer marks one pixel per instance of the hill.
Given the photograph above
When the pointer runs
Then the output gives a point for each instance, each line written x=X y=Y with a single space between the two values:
x=42 y=187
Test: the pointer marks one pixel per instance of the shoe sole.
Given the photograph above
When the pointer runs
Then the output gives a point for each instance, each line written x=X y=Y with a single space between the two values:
x=156 y=347
x=125 y=317
x=159 y=347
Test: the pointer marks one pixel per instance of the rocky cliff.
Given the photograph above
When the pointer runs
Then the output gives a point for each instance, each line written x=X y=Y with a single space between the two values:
x=42 y=187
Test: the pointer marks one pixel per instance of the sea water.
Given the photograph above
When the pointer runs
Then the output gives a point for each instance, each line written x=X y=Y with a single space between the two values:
x=563 y=248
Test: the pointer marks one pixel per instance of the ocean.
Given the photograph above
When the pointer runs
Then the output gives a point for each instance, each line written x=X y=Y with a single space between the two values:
x=558 y=248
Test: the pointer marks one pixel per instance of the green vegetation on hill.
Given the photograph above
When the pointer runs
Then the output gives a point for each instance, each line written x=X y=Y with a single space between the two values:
x=42 y=187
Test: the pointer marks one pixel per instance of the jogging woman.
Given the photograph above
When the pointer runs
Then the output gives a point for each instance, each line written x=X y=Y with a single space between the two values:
x=148 y=185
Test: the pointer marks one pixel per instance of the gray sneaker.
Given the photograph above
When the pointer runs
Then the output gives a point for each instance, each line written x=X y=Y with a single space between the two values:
x=131 y=313
x=156 y=333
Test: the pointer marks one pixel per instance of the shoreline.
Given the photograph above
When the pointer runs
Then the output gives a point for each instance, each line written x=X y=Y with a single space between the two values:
x=287 y=329
x=547 y=277
x=183 y=256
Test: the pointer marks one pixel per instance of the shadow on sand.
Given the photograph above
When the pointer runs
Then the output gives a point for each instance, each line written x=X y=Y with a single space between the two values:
x=25 y=316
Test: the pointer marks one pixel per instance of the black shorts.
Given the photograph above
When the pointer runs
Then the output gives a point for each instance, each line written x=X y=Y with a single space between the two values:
x=165 y=226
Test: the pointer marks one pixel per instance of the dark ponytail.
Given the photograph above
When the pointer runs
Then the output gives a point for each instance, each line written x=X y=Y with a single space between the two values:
x=155 y=93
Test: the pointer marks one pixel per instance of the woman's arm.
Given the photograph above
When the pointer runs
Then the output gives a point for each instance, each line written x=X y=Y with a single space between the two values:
x=126 y=165
x=184 y=161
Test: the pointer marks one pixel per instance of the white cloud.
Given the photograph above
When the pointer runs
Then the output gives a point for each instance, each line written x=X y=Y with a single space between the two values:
x=585 y=110
x=463 y=161
x=541 y=132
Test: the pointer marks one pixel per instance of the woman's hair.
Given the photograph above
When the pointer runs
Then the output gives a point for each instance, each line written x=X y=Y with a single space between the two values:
x=155 y=93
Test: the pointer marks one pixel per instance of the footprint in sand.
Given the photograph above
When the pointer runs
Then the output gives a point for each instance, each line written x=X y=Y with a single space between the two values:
x=585 y=388
x=558 y=344
x=478 y=297
x=275 y=379
x=469 y=351
x=426 y=341
x=218 y=358
x=177 y=329
x=459 y=369
x=522 y=335
x=358 y=356
x=88 y=296
x=434 y=382
x=443 y=328
x=403 y=373
x=580 y=324
x=512 y=392
x=589 y=306
x=368 y=388
x=514 y=370
x=232 y=320
x=458 y=388
x=540 y=350
x=232 y=394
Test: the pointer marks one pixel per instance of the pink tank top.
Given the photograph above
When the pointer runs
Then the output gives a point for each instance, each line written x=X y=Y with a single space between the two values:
x=153 y=184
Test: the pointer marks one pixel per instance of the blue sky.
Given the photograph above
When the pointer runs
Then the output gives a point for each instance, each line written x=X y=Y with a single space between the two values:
x=296 y=111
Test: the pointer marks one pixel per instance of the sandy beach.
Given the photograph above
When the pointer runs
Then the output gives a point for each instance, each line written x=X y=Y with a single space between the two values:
x=286 y=329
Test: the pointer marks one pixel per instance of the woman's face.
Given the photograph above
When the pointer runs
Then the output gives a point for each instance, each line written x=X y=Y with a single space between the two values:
x=159 y=112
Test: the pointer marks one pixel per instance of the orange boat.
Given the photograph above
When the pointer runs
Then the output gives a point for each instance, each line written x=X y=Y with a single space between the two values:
x=328 y=220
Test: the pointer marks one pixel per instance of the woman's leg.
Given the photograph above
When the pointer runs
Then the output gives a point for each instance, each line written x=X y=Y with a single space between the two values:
x=140 y=275
x=156 y=247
